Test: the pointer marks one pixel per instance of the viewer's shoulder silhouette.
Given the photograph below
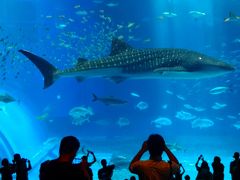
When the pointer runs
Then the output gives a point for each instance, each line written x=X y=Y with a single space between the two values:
x=62 y=167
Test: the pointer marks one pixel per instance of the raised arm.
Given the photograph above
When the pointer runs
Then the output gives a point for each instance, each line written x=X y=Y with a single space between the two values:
x=170 y=155
x=196 y=165
x=94 y=158
x=183 y=170
x=138 y=156
x=29 y=165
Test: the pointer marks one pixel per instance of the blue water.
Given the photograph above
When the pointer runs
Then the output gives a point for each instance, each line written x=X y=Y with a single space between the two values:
x=63 y=31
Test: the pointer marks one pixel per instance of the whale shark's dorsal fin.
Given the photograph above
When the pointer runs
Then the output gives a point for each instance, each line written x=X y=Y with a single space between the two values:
x=81 y=61
x=231 y=14
x=119 y=46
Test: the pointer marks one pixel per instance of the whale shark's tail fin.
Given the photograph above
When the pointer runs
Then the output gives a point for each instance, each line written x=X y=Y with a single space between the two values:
x=47 y=69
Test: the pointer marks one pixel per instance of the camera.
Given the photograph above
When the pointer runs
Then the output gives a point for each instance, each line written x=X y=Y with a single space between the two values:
x=200 y=157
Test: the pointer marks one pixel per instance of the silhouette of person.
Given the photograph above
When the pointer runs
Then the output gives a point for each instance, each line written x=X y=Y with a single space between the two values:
x=87 y=165
x=218 y=169
x=179 y=174
x=22 y=166
x=187 y=177
x=106 y=172
x=7 y=170
x=62 y=167
x=235 y=167
x=204 y=170
x=154 y=168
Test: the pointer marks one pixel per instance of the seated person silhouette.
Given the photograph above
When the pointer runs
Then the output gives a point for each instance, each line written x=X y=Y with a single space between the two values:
x=154 y=168
x=6 y=170
x=62 y=167
x=22 y=166
x=106 y=172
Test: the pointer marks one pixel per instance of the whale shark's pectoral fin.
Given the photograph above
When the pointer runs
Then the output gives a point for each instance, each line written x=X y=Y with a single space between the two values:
x=169 y=69
x=80 y=78
x=118 y=79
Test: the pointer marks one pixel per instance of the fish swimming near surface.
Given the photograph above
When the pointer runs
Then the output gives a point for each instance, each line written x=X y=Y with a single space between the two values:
x=6 y=98
x=126 y=62
x=110 y=100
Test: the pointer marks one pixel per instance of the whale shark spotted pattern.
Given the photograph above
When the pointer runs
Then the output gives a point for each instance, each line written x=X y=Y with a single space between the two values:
x=126 y=62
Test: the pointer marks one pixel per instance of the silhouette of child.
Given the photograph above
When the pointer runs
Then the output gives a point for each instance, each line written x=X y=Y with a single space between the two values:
x=7 y=170
x=187 y=177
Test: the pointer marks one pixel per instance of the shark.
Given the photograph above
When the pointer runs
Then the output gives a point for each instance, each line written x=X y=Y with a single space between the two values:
x=127 y=62
x=6 y=98
x=232 y=17
x=109 y=100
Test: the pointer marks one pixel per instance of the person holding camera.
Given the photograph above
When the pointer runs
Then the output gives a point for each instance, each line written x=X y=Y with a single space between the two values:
x=155 y=168
x=63 y=168
x=204 y=170
x=85 y=164
x=22 y=166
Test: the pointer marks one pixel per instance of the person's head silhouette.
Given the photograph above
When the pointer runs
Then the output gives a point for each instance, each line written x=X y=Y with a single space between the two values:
x=16 y=157
x=104 y=162
x=187 y=177
x=217 y=159
x=156 y=145
x=69 y=146
x=236 y=155
x=84 y=158
x=5 y=162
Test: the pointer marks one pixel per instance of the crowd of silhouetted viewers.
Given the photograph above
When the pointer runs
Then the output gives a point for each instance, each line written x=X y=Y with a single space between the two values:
x=154 y=168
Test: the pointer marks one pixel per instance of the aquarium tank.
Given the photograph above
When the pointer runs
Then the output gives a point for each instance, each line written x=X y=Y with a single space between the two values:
x=112 y=72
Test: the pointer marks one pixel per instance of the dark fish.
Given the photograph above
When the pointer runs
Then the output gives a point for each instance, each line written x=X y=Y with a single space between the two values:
x=110 y=100
x=6 y=98
x=126 y=62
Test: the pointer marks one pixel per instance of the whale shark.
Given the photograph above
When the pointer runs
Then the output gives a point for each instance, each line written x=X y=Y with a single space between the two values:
x=126 y=62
